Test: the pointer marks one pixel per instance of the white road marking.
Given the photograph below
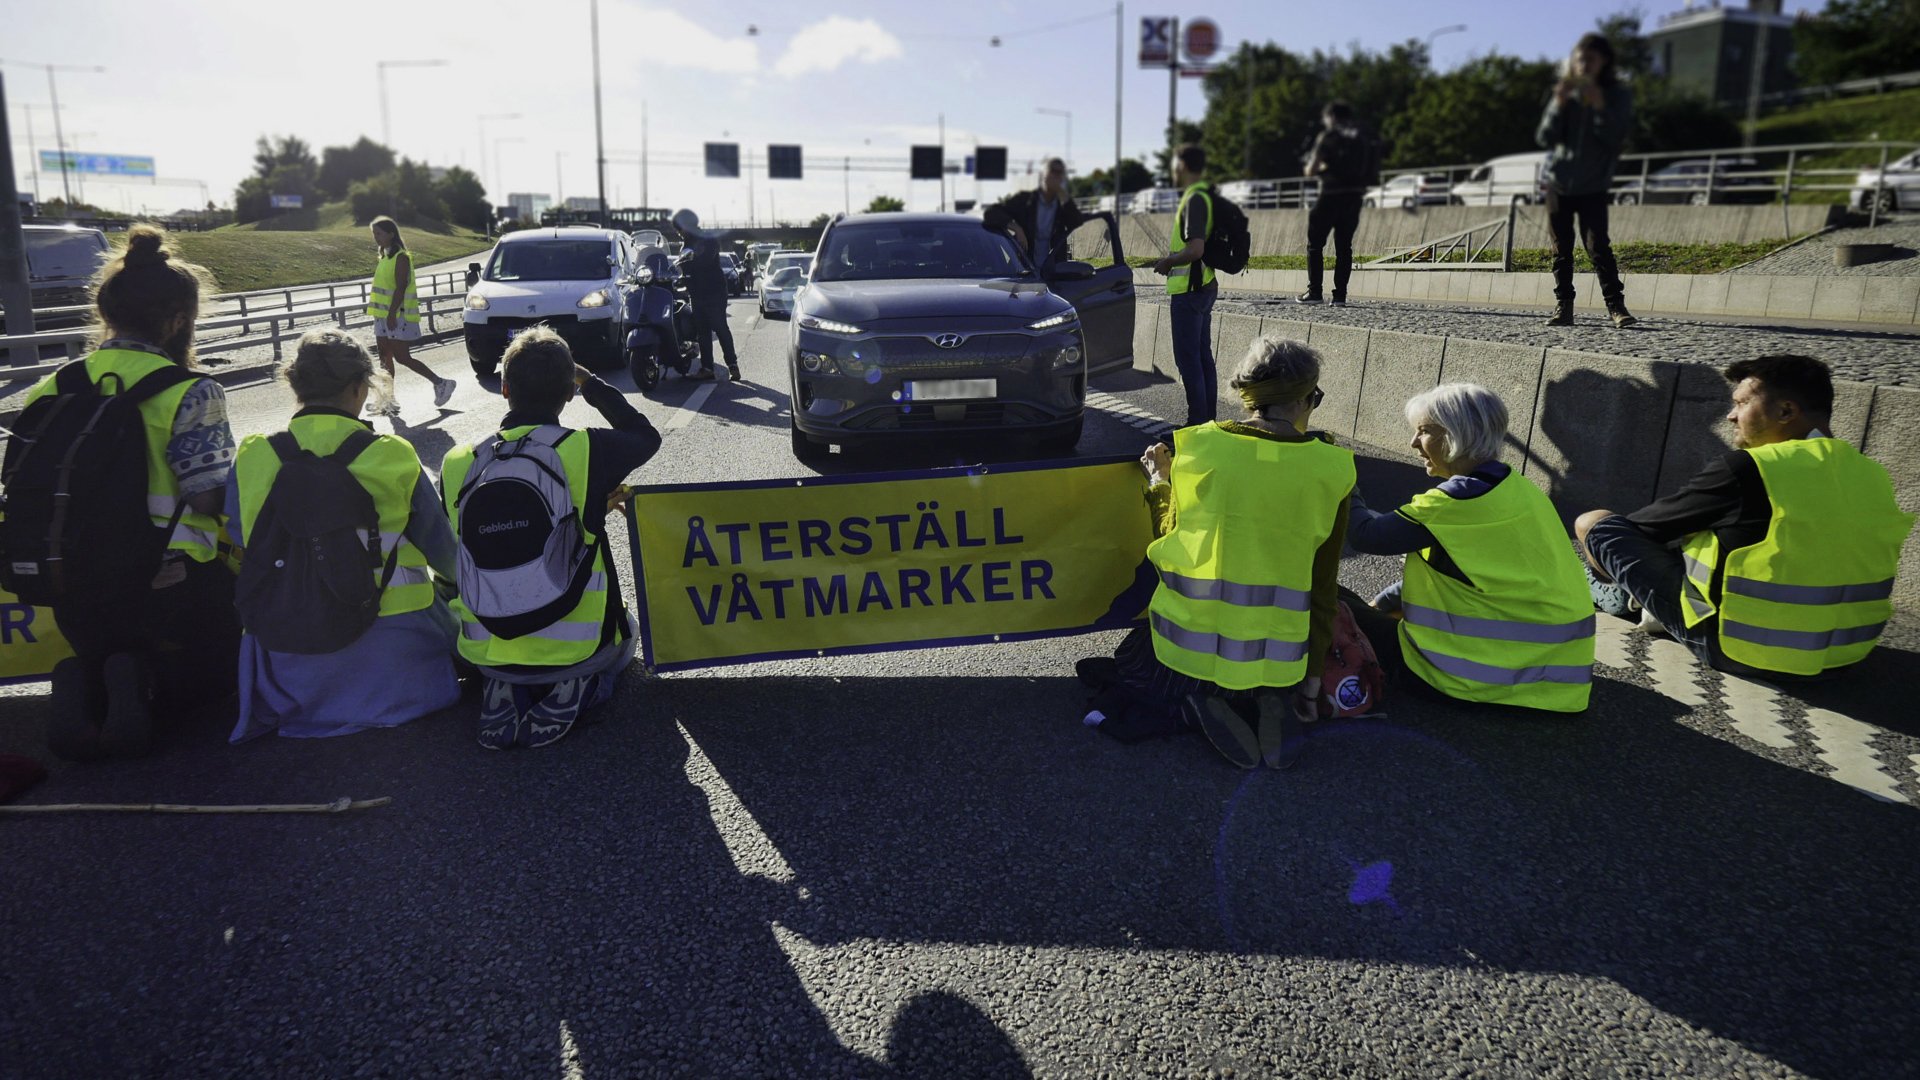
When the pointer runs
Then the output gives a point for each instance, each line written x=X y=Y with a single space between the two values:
x=569 y=1056
x=1845 y=744
x=752 y=850
x=1674 y=671
x=685 y=414
x=1610 y=644
x=1756 y=710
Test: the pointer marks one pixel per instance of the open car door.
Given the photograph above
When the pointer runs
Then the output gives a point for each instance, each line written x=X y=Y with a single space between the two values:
x=1104 y=299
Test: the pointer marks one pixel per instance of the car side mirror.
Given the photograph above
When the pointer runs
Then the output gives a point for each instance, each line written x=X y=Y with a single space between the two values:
x=1073 y=271
x=473 y=274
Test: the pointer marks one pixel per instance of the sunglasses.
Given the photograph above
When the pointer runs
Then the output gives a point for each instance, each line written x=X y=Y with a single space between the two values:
x=1314 y=399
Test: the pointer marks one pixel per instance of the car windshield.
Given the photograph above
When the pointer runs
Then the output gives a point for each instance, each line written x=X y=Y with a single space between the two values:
x=782 y=262
x=786 y=277
x=64 y=253
x=549 y=260
x=929 y=249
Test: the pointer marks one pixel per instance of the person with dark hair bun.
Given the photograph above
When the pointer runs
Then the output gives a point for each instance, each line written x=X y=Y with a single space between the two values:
x=1586 y=122
x=401 y=668
x=173 y=645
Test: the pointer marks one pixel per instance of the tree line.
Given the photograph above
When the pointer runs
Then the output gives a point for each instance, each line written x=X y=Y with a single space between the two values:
x=372 y=179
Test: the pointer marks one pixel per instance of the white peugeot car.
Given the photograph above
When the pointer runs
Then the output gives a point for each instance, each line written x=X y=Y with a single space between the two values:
x=574 y=279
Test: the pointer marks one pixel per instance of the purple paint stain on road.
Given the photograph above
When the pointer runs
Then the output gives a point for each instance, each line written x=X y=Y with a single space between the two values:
x=1370 y=883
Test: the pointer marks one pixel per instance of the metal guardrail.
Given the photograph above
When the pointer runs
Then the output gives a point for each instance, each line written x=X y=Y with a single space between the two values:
x=1878 y=84
x=82 y=338
x=1438 y=253
x=334 y=289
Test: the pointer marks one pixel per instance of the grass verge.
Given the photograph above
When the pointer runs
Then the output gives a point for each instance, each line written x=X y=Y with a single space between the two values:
x=1634 y=258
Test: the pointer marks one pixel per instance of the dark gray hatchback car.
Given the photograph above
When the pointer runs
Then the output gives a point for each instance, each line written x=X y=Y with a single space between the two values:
x=921 y=324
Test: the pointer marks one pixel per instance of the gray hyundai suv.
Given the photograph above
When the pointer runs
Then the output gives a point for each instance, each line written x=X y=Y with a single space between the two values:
x=922 y=324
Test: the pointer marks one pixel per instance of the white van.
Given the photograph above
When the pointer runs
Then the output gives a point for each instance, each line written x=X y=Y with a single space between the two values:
x=574 y=279
x=61 y=263
x=1517 y=178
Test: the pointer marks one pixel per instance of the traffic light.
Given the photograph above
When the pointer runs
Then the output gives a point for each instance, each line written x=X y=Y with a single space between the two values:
x=990 y=163
x=928 y=163
x=723 y=160
x=783 y=162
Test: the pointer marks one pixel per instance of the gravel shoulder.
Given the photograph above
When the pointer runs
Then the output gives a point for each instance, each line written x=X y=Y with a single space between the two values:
x=1814 y=257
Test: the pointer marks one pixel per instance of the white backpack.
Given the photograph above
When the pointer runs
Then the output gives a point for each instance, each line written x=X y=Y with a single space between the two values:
x=524 y=563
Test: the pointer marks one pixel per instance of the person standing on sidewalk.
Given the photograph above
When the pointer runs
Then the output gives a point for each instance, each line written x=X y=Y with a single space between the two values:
x=394 y=305
x=1040 y=219
x=1582 y=130
x=1190 y=285
x=1344 y=160
x=707 y=289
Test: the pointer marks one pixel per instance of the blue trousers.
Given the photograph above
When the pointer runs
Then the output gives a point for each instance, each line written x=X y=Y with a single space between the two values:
x=1191 y=318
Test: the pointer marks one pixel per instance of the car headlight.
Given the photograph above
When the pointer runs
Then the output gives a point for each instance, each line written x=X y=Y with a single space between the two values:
x=828 y=326
x=595 y=299
x=815 y=363
x=1061 y=319
x=1064 y=358
x=476 y=302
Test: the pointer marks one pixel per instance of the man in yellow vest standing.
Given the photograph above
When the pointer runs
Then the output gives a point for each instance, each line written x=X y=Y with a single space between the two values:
x=1776 y=560
x=1190 y=286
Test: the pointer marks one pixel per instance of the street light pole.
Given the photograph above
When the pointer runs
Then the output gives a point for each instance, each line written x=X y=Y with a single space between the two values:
x=496 y=155
x=486 y=173
x=1069 y=118
x=1455 y=29
x=1119 y=62
x=599 y=141
x=33 y=151
x=381 y=66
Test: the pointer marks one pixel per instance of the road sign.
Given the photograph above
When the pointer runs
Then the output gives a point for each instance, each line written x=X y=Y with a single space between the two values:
x=723 y=160
x=992 y=163
x=1190 y=72
x=1156 y=41
x=100 y=164
x=1202 y=40
x=783 y=162
x=285 y=202
x=927 y=163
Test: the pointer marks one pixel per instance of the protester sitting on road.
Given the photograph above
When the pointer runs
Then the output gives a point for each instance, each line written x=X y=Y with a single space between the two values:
x=1041 y=219
x=1251 y=516
x=1585 y=123
x=308 y=668
x=168 y=640
x=540 y=605
x=1493 y=607
x=394 y=305
x=1778 y=558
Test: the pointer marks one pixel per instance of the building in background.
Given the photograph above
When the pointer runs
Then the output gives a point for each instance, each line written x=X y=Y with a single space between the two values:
x=528 y=206
x=1710 y=50
x=583 y=202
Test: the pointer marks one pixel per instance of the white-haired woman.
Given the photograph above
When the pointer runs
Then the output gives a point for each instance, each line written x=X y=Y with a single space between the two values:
x=401 y=667
x=1494 y=606
x=1250 y=515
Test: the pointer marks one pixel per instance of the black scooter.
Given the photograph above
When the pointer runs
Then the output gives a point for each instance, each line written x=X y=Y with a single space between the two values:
x=661 y=317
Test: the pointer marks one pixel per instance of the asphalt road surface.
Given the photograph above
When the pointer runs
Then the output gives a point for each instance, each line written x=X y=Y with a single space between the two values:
x=923 y=864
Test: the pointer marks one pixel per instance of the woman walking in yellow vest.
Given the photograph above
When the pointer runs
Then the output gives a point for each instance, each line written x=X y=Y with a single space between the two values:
x=394 y=305
x=170 y=645
x=401 y=666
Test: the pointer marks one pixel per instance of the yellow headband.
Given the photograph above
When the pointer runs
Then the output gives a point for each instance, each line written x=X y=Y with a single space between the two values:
x=1267 y=392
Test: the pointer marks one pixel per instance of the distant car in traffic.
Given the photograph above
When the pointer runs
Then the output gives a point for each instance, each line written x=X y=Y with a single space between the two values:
x=776 y=262
x=780 y=287
x=61 y=263
x=924 y=324
x=571 y=278
x=1255 y=194
x=1514 y=178
x=736 y=279
x=1899 y=190
x=1696 y=182
x=1409 y=191
x=1156 y=200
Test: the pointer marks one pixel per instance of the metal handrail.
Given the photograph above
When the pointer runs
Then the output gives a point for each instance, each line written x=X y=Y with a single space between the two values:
x=425 y=283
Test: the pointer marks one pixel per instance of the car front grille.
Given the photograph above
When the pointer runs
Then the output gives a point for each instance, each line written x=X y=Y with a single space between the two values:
x=919 y=353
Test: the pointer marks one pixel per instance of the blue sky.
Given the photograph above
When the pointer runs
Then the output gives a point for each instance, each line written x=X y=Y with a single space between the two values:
x=193 y=82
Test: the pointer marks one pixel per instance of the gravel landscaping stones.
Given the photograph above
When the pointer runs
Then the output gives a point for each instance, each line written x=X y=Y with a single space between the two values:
x=1815 y=256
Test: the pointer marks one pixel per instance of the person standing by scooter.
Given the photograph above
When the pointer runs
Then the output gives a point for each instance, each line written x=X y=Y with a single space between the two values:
x=707 y=289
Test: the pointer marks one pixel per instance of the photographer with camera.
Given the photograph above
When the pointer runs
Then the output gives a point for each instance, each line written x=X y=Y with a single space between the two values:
x=1582 y=130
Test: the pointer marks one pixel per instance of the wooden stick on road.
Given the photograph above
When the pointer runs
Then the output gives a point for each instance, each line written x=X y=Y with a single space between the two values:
x=337 y=806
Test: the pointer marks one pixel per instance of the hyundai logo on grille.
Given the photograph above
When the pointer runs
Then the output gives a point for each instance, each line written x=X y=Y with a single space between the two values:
x=949 y=341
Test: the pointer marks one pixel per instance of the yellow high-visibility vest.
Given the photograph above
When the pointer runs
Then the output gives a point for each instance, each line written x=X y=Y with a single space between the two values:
x=380 y=300
x=1521 y=633
x=575 y=636
x=1817 y=590
x=195 y=535
x=1236 y=570
x=389 y=469
x=1180 y=279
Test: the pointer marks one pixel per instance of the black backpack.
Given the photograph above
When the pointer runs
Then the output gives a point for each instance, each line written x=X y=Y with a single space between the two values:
x=306 y=584
x=1229 y=243
x=1353 y=159
x=76 y=527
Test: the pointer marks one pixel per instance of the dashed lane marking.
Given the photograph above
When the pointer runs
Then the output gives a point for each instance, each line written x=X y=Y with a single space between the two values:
x=570 y=1068
x=1127 y=413
x=685 y=414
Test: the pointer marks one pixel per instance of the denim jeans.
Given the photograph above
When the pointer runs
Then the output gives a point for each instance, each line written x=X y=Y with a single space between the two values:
x=1191 y=315
x=1651 y=572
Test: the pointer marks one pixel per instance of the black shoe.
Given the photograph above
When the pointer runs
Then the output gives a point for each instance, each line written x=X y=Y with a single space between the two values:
x=702 y=375
x=1097 y=672
x=1337 y=301
x=127 y=730
x=733 y=370
x=73 y=716
x=1562 y=314
x=1230 y=730
x=1308 y=297
x=1621 y=317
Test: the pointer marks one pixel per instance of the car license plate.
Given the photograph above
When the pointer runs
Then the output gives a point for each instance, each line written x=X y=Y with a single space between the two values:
x=514 y=332
x=951 y=389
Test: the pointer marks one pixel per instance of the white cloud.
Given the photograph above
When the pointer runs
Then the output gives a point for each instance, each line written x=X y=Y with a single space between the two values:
x=678 y=42
x=826 y=45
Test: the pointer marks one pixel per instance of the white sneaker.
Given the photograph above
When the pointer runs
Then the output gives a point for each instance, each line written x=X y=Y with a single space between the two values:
x=1650 y=625
x=443 y=391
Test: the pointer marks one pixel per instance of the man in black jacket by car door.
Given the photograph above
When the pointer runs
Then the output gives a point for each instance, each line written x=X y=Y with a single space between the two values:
x=1041 y=219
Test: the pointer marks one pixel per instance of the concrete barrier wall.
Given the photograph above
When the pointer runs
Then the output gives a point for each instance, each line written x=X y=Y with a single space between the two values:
x=1592 y=430
x=1284 y=232
x=1893 y=301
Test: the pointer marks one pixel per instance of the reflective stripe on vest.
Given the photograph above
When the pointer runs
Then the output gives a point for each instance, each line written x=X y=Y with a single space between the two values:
x=1233 y=606
x=380 y=298
x=1180 y=278
x=1815 y=592
x=1519 y=629
x=388 y=469
x=195 y=535
x=575 y=636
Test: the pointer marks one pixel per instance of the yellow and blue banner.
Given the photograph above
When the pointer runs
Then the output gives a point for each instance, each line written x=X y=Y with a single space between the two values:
x=30 y=643
x=830 y=565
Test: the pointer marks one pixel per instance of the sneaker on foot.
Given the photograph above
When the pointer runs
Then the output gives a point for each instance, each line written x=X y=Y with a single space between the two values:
x=1230 y=730
x=1097 y=672
x=127 y=730
x=553 y=715
x=443 y=391
x=500 y=721
x=1307 y=298
x=1337 y=301
x=733 y=370
x=1650 y=625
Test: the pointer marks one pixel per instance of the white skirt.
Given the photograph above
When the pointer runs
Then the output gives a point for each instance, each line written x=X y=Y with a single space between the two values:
x=402 y=330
